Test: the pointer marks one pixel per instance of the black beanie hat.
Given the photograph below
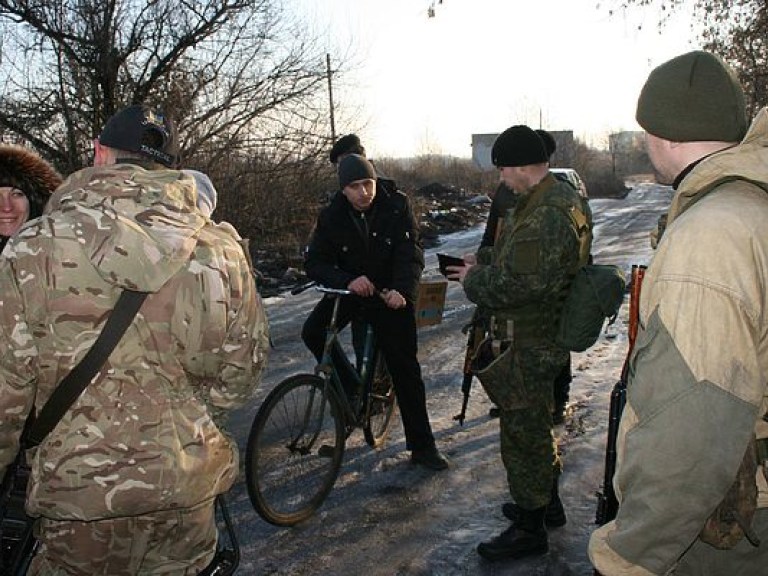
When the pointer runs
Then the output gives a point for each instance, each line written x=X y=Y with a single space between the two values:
x=140 y=129
x=692 y=98
x=549 y=141
x=518 y=146
x=349 y=144
x=355 y=167
x=24 y=170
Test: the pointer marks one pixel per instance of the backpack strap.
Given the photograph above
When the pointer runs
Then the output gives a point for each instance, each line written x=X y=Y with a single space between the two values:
x=78 y=379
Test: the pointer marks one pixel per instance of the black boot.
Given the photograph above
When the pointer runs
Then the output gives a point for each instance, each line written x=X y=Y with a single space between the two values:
x=526 y=537
x=554 y=516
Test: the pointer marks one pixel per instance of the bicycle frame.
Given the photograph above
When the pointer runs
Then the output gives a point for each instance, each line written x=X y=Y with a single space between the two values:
x=327 y=368
x=297 y=439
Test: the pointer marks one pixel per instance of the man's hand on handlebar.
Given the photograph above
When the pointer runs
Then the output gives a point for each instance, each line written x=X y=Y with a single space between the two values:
x=361 y=286
x=393 y=299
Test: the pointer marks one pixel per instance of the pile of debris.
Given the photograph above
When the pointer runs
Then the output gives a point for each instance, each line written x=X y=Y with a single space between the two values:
x=443 y=210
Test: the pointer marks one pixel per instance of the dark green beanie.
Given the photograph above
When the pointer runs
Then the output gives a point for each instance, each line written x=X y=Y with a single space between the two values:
x=694 y=97
x=355 y=167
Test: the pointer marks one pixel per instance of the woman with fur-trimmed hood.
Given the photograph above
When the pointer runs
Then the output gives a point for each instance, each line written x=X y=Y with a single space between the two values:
x=26 y=183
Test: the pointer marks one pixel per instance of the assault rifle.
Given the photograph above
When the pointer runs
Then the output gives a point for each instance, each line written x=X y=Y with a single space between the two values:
x=607 y=503
x=475 y=331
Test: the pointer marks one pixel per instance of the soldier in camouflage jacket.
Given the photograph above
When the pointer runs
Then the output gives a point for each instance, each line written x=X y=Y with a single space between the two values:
x=125 y=483
x=521 y=282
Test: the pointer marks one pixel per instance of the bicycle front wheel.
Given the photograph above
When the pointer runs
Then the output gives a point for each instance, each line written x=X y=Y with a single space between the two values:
x=381 y=404
x=294 y=450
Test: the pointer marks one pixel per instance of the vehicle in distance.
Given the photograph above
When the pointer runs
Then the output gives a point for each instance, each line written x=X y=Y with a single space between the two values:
x=570 y=175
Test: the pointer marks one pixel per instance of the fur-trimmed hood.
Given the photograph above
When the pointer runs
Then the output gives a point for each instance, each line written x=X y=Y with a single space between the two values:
x=24 y=169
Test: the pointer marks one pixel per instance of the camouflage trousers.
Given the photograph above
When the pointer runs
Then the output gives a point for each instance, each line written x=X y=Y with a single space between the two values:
x=172 y=543
x=528 y=447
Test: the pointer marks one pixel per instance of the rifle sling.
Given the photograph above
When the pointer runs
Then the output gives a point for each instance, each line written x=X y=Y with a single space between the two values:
x=78 y=379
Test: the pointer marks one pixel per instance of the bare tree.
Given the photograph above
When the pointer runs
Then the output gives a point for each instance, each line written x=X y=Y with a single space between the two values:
x=237 y=75
x=737 y=30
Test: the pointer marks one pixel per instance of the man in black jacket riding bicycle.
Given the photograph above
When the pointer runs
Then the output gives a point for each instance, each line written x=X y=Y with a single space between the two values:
x=366 y=240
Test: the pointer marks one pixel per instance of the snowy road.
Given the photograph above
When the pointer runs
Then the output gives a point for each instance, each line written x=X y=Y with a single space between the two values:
x=386 y=517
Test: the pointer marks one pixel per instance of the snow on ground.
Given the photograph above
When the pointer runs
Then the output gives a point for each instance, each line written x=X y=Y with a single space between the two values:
x=386 y=517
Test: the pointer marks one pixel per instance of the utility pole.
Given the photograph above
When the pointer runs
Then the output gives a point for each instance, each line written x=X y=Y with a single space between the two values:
x=330 y=95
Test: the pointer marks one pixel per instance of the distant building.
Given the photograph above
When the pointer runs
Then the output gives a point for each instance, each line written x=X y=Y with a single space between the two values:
x=562 y=158
x=628 y=153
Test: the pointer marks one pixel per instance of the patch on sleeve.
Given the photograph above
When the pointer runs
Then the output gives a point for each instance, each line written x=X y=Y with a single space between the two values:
x=526 y=256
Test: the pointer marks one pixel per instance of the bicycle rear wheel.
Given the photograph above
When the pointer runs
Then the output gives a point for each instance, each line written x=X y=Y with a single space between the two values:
x=381 y=404
x=294 y=450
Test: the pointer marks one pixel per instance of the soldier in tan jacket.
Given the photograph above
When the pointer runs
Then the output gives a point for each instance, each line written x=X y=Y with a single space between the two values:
x=697 y=395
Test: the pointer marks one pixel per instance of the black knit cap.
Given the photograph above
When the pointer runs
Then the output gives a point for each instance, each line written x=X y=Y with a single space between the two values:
x=692 y=98
x=549 y=141
x=349 y=144
x=23 y=169
x=518 y=146
x=141 y=129
x=355 y=167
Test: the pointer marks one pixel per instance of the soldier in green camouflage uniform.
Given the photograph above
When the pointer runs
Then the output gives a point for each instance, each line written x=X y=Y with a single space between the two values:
x=503 y=201
x=522 y=281
x=125 y=483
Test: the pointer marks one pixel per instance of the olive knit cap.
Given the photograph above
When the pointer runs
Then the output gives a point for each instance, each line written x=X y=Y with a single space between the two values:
x=355 y=167
x=518 y=146
x=691 y=98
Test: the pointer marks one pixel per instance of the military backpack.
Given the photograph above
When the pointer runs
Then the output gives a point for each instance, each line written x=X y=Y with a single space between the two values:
x=595 y=294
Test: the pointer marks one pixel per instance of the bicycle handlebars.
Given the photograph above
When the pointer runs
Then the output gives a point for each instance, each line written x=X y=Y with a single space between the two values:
x=320 y=288
x=301 y=287
x=326 y=290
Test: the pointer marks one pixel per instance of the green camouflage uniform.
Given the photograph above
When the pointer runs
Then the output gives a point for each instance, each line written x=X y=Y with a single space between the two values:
x=521 y=281
x=143 y=437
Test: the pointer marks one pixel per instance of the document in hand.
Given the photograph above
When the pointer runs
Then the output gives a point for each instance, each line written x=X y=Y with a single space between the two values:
x=446 y=260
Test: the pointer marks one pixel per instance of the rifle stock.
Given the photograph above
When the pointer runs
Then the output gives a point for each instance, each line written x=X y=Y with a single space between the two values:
x=607 y=502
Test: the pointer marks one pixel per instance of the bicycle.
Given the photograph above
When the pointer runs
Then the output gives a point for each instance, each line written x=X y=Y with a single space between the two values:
x=297 y=439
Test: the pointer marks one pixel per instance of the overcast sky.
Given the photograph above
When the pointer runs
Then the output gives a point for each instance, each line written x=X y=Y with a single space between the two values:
x=424 y=84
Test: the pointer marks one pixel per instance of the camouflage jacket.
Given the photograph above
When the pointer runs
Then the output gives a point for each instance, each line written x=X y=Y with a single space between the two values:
x=142 y=436
x=697 y=388
x=531 y=264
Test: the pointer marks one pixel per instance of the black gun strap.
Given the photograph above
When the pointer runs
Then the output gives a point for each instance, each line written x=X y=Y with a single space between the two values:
x=78 y=379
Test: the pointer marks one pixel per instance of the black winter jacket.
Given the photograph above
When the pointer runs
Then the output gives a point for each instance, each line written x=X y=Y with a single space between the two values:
x=381 y=243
